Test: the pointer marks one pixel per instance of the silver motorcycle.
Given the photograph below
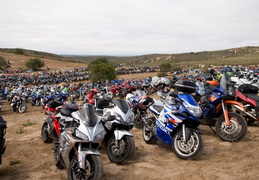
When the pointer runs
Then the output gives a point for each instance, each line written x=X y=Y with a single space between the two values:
x=118 y=121
x=77 y=146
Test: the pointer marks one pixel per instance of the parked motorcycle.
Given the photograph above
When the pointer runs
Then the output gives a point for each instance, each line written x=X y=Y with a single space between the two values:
x=119 y=141
x=176 y=121
x=248 y=95
x=219 y=110
x=77 y=147
x=3 y=127
x=18 y=104
x=139 y=103
x=51 y=128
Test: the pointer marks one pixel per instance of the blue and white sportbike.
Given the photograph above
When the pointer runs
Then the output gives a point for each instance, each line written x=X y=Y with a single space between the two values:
x=175 y=122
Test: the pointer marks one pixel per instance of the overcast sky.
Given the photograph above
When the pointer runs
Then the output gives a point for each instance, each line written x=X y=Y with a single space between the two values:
x=128 y=27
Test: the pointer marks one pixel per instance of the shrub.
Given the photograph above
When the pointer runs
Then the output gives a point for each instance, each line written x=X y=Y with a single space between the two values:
x=34 y=64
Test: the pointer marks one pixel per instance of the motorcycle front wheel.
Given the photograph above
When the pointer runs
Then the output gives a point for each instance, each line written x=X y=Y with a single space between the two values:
x=22 y=108
x=45 y=133
x=57 y=158
x=147 y=131
x=235 y=131
x=93 y=168
x=187 y=149
x=120 y=151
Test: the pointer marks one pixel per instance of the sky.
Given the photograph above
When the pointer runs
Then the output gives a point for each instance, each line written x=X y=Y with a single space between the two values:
x=128 y=27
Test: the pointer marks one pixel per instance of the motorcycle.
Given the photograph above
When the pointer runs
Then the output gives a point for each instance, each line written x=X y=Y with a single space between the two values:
x=51 y=128
x=247 y=95
x=219 y=107
x=18 y=104
x=77 y=147
x=139 y=103
x=35 y=98
x=175 y=122
x=118 y=140
x=3 y=127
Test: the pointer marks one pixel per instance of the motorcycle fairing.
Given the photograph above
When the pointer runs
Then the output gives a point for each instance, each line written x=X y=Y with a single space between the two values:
x=120 y=133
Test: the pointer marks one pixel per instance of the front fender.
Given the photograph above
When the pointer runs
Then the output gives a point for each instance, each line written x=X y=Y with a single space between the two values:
x=120 y=133
x=230 y=103
x=82 y=154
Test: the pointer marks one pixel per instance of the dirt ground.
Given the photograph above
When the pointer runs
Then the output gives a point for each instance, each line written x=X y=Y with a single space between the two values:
x=27 y=157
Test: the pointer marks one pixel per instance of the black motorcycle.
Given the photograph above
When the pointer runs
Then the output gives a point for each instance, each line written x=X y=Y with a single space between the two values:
x=3 y=127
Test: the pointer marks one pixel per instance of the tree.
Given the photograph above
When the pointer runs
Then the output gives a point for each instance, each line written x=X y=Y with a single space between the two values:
x=165 y=67
x=101 y=69
x=34 y=63
x=19 y=51
x=3 y=62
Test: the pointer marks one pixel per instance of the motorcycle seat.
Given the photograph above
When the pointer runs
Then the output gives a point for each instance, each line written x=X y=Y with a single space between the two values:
x=252 y=96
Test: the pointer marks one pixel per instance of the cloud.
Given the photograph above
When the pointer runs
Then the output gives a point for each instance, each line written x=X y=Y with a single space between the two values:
x=133 y=27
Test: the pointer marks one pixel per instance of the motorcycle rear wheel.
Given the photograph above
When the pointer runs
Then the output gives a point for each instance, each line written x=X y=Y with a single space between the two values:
x=45 y=133
x=147 y=134
x=123 y=151
x=235 y=131
x=93 y=168
x=22 y=108
x=187 y=149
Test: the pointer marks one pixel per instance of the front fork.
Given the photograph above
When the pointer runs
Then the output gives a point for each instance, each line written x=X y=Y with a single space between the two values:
x=225 y=112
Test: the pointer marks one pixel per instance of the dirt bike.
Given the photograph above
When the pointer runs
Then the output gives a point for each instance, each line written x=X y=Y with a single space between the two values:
x=77 y=146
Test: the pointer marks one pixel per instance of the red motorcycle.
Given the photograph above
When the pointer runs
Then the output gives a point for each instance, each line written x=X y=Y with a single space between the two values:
x=51 y=126
x=247 y=94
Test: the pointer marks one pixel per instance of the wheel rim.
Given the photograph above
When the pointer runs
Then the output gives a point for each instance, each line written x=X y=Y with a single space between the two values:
x=233 y=130
x=186 y=148
x=147 y=133
x=120 y=149
x=78 y=173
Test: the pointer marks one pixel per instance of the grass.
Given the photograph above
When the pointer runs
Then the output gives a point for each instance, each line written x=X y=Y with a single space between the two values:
x=20 y=131
x=28 y=123
x=14 y=162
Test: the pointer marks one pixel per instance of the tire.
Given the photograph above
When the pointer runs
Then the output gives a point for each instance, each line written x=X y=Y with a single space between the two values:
x=37 y=103
x=236 y=130
x=138 y=122
x=147 y=134
x=123 y=152
x=93 y=168
x=22 y=108
x=189 y=149
x=45 y=133
x=57 y=158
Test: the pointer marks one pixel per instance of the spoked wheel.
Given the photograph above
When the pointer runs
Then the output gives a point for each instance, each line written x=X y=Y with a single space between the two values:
x=138 y=122
x=22 y=108
x=187 y=149
x=148 y=129
x=120 y=151
x=235 y=131
x=45 y=131
x=93 y=168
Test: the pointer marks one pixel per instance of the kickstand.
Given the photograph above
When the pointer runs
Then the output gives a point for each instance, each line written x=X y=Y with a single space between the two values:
x=212 y=129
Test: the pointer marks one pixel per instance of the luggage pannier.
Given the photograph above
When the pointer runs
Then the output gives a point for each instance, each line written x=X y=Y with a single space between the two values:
x=185 y=86
x=248 y=88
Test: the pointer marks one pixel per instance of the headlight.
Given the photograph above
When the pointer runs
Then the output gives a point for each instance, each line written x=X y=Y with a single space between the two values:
x=99 y=136
x=118 y=117
x=81 y=135
x=195 y=111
